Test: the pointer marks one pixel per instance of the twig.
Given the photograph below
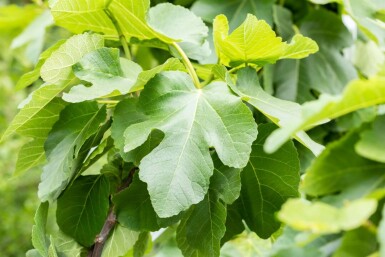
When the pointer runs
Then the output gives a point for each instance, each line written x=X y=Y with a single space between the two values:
x=109 y=224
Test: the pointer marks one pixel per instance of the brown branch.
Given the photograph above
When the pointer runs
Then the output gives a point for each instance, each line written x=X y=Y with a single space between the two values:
x=109 y=224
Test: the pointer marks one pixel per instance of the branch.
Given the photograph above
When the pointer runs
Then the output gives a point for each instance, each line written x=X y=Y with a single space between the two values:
x=109 y=224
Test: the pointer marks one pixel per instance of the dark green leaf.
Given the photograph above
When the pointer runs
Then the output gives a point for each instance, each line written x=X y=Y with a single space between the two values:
x=83 y=207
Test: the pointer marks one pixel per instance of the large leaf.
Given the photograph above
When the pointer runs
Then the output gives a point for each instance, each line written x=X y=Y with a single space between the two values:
x=193 y=120
x=321 y=218
x=83 y=207
x=340 y=167
x=119 y=242
x=76 y=124
x=108 y=73
x=356 y=243
x=371 y=144
x=58 y=67
x=255 y=42
x=32 y=153
x=95 y=15
x=267 y=182
x=199 y=233
x=358 y=94
x=235 y=10
x=180 y=23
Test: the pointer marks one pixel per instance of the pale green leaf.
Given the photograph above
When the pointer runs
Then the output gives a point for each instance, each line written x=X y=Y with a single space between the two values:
x=199 y=233
x=67 y=246
x=321 y=218
x=52 y=249
x=371 y=144
x=267 y=182
x=181 y=24
x=279 y=111
x=39 y=238
x=368 y=57
x=358 y=94
x=33 y=253
x=340 y=167
x=192 y=120
x=325 y=1
x=30 y=77
x=58 y=67
x=83 y=207
x=255 y=42
x=108 y=73
x=119 y=242
x=95 y=15
x=76 y=124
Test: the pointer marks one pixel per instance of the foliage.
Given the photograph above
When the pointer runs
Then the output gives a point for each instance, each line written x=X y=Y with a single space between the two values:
x=171 y=128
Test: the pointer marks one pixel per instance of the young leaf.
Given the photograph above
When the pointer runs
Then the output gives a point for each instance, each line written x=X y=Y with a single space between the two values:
x=267 y=182
x=134 y=209
x=371 y=144
x=83 y=207
x=182 y=25
x=200 y=232
x=255 y=42
x=120 y=242
x=192 y=120
x=32 y=153
x=358 y=94
x=39 y=238
x=108 y=73
x=340 y=167
x=76 y=124
x=321 y=218
x=57 y=67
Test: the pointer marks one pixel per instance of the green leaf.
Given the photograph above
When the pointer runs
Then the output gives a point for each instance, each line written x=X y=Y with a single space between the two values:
x=57 y=67
x=32 y=153
x=83 y=16
x=120 y=242
x=192 y=120
x=279 y=111
x=284 y=21
x=134 y=209
x=371 y=144
x=76 y=124
x=381 y=233
x=30 y=77
x=67 y=246
x=39 y=239
x=268 y=181
x=226 y=181
x=321 y=218
x=33 y=253
x=339 y=167
x=368 y=57
x=235 y=10
x=142 y=245
x=201 y=230
x=247 y=43
x=190 y=31
x=83 y=207
x=108 y=73
x=357 y=243
x=357 y=95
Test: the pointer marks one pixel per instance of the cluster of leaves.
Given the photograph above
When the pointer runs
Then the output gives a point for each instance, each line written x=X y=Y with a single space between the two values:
x=192 y=129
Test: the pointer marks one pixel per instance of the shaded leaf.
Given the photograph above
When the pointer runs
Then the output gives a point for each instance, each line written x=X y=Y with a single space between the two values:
x=192 y=121
x=356 y=243
x=83 y=207
x=268 y=181
x=76 y=124
x=39 y=238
